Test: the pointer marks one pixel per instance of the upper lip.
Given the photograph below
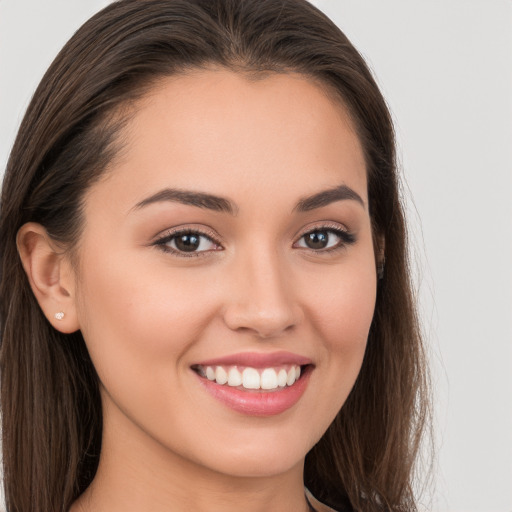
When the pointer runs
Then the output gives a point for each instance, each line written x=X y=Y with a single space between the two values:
x=257 y=359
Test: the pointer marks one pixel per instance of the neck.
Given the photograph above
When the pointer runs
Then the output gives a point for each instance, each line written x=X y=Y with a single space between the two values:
x=137 y=473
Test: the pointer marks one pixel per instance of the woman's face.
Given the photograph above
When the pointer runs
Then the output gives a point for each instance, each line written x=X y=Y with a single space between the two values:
x=230 y=239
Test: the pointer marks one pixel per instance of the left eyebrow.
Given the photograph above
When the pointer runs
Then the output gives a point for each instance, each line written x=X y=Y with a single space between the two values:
x=327 y=197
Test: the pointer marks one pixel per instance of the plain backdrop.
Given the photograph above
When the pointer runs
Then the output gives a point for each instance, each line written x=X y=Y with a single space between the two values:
x=445 y=67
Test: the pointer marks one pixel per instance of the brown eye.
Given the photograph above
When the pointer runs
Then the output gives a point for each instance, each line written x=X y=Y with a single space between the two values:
x=317 y=239
x=325 y=239
x=187 y=242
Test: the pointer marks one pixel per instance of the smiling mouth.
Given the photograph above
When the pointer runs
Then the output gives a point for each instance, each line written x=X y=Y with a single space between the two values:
x=247 y=378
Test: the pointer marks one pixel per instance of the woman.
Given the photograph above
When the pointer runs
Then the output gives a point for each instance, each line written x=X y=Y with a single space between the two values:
x=205 y=293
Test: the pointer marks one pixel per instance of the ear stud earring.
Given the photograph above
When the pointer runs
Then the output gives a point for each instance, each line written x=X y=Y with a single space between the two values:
x=59 y=315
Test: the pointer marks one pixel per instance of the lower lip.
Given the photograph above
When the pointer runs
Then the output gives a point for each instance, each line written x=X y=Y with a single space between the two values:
x=258 y=402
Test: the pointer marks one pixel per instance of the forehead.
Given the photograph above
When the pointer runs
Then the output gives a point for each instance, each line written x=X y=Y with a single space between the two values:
x=219 y=130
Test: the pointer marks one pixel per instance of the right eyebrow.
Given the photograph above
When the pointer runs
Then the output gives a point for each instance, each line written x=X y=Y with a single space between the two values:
x=192 y=198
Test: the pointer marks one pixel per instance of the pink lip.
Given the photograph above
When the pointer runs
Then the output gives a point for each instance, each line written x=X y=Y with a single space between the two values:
x=258 y=402
x=258 y=360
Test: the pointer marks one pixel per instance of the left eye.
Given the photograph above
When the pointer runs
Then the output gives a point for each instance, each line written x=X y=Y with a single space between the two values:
x=188 y=242
x=323 y=239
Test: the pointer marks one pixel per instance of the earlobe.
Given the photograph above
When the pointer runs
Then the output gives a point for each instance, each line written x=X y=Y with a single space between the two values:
x=50 y=276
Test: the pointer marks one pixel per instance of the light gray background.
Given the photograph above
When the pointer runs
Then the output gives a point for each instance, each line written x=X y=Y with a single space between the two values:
x=445 y=67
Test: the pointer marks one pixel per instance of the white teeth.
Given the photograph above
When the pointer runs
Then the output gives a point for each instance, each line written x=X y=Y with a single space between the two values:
x=234 y=378
x=268 y=379
x=282 y=377
x=221 y=376
x=291 y=376
x=251 y=378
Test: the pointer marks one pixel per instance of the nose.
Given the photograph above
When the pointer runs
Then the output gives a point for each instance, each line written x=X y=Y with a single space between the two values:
x=261 y=299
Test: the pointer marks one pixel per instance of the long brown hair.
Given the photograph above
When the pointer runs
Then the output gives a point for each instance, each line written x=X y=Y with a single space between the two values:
x=51 y=408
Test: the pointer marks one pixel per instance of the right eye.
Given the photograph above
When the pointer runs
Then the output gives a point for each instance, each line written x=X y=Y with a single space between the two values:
x=187 y=243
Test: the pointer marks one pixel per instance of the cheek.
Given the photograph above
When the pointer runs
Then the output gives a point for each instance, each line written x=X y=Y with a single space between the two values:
x=138 y=326
x=340 y=311
x=353 y=318
x=343 y=308
x=123 y=290
x=134 y=315
x=342 y=314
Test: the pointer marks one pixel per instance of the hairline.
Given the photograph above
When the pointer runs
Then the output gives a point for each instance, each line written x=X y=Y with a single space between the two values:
x=116 y=121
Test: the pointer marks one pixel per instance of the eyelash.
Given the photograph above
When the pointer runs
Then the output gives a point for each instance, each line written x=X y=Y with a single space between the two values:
x=346 y=238
x=169 y=236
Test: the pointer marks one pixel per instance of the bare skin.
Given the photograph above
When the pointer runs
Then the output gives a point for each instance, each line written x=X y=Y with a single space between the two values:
x=259 y=281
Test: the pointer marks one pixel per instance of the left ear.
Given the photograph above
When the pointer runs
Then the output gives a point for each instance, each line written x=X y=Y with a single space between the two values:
x=50 y=275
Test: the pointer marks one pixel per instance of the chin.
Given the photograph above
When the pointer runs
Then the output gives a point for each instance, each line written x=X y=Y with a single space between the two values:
x=259 y=458
x=261 y=467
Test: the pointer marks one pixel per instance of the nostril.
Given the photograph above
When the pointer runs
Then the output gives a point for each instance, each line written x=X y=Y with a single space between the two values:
x=265 y=324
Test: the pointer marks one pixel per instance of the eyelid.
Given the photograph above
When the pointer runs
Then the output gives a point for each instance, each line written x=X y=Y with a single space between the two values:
x=321 y=225
x=190 y=228
x=164 y=237
x=347 y=237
